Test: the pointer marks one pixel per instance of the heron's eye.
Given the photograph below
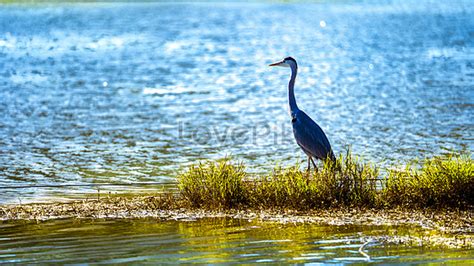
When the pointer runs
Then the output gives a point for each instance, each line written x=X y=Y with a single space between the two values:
x=293 y=119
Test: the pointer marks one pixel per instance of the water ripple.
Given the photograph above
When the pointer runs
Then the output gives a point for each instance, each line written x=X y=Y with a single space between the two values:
x=135 y=91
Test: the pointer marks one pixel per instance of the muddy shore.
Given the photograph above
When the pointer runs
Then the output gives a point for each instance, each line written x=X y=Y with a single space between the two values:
x=447 y=228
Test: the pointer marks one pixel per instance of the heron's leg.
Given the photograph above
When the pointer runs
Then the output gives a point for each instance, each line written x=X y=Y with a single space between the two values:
x=308 y=171
x=314 y=164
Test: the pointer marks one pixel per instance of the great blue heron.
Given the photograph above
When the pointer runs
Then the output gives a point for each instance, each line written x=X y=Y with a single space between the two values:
x=309 y=136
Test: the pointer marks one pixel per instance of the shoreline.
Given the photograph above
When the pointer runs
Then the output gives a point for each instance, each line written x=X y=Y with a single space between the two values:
x=446 y=228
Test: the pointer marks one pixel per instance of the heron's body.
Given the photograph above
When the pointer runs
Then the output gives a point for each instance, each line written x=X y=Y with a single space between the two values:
x=309 y=136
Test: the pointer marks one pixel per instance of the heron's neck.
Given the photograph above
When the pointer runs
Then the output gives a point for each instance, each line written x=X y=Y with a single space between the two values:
x=291 y=90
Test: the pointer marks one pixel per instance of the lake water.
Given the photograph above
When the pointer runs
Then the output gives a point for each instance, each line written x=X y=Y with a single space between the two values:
x=216 y=240
x=132 y=92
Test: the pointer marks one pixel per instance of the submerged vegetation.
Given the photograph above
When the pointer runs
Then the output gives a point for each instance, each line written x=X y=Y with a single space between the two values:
x=440 y=182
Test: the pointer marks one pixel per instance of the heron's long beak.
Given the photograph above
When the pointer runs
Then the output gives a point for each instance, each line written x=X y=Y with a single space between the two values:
x=276 y=63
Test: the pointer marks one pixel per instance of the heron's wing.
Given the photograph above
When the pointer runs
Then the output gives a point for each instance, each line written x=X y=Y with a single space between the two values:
x=310 y=136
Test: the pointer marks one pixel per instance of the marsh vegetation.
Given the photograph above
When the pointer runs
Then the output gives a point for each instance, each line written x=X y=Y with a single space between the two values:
x=438 y=182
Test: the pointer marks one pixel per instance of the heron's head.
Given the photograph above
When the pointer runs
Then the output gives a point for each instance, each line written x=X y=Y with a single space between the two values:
x=287 y=62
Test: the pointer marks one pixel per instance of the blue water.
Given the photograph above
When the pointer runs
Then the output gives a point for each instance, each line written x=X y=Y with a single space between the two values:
x=134 y=92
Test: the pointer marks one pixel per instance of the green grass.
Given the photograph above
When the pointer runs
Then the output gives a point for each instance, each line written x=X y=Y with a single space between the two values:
x=210 y=184
x=439 y=182
x=348 y=182
x=442 y=182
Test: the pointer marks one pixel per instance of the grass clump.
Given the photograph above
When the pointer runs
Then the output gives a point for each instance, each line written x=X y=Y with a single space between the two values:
x=440 y=182
x=213 y=184
x=283 y=188
x=346 y=182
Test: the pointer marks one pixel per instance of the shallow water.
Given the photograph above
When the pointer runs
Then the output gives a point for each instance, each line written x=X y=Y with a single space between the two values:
x=132 y=92
x=216 y=240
